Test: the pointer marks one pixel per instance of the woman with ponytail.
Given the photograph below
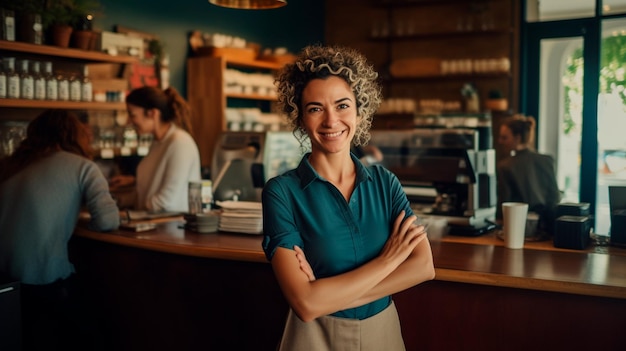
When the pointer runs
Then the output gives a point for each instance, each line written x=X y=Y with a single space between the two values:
x=525 y=175
x=173 y=160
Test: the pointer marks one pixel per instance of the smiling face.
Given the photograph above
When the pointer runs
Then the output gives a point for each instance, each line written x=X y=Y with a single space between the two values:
x=141 y=119
x=329 y=114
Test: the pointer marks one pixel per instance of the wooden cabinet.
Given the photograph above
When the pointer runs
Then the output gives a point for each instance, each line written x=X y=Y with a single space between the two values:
x=59 y=55
x=209 y=100
x=425 y=49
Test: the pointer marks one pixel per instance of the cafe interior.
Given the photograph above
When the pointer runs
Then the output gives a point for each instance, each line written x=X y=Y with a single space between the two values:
x=452 y=72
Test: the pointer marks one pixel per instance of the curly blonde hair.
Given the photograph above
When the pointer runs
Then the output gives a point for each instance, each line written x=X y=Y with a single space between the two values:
x=321 y=62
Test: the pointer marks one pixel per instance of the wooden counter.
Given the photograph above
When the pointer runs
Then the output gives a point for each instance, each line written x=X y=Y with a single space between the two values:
x=174 y=289
x=597 y=271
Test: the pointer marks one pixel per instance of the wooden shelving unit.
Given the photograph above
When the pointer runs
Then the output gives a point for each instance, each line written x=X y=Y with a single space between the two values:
x=390 y=31
x=208 y=100
x=60 y=54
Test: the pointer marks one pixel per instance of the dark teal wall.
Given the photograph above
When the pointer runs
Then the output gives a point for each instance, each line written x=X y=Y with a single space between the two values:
x=299 y=23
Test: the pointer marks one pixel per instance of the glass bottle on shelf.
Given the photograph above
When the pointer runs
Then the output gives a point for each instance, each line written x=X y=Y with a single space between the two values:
x=13 y=79
x=75 y=88
x=52 y=86
x=27 y=83
x=39 y=81
x=3 y=81
x=64 y=87
x=8 y=25
x=86 y=86
x=37 y=30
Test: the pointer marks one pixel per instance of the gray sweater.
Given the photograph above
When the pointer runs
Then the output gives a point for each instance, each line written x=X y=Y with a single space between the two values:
x=39 y=208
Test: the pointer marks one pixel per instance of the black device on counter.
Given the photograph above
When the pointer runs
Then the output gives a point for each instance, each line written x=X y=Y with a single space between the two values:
x=572 y=232
x=617 y=206
x=572 y=226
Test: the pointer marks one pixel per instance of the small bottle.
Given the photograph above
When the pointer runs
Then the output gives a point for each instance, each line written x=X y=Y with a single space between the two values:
x=207 y=195
x=8 y=25
x=38 y=30
x=74 y=88
x=27 y=83
x=52 y=86
x=64 y=87
x=3 y=81
x=13 y=79
x=86 y=86
x=39 y=81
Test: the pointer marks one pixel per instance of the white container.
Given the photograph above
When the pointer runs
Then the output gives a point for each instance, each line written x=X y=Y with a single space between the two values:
x=514 y=220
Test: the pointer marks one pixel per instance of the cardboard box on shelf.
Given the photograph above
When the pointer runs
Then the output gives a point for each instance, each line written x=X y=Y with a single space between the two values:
x=107 y=70
x=109 y=84
x=121 y=44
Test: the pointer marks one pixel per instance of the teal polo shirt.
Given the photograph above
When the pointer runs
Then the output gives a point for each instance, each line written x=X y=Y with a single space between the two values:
x=302 y=208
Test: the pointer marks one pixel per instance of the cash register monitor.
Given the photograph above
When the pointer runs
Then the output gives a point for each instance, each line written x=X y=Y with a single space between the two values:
x=238 y=180
x=238 y=172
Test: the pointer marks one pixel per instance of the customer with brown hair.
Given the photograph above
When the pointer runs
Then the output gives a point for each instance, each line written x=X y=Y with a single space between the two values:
x=43 y=185
x=164 y=173
x=354 y=223
x=525 y=175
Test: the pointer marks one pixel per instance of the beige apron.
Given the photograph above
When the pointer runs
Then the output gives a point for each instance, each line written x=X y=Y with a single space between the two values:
x=378 y=332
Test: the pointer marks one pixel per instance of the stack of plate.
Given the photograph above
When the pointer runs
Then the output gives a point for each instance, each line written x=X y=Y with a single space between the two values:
x=202 y=222
x=241 y=217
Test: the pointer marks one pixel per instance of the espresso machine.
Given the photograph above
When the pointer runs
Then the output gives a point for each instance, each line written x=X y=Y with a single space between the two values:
x=243 y=161
x=446 y=171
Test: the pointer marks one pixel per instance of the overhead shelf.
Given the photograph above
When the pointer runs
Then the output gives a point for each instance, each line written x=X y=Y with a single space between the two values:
x=71 y=105
x=444 y=35
x=251 y=96
x=55 y=51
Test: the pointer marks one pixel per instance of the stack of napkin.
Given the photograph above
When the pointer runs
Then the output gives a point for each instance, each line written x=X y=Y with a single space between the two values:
x=241 y=217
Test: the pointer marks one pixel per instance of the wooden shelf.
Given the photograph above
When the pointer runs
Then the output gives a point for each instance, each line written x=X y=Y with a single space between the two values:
x=444 y=35
x=452 y=77
x=253 y=64
x=71 y=105
x=55 y=51
x=251 y=96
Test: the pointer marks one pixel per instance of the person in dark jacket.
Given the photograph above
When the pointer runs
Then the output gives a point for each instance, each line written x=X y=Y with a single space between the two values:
x=526 y=175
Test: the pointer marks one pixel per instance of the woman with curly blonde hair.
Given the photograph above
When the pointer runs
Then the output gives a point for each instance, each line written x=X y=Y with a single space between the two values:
x=341 y=237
